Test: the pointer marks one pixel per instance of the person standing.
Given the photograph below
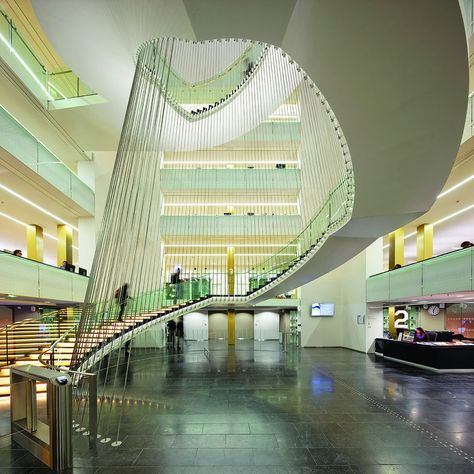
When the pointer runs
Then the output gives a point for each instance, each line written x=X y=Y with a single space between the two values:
x=180 y=334
x=171 y=326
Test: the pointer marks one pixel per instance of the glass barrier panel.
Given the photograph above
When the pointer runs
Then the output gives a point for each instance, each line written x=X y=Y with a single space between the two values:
x=23 y=146
x=54 y=171
x=17 y=140
x=35 y=73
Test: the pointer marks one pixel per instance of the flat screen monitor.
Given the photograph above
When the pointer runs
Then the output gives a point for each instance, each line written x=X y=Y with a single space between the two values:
x=322 y=309
x=82 y=271
x=70 y=268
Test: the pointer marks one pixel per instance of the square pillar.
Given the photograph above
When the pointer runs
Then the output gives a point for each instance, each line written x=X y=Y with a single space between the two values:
x=396 y=251
x=424 y=242
x=391 y=321
x=231 y=327
x=34 y=242
x=64 y=234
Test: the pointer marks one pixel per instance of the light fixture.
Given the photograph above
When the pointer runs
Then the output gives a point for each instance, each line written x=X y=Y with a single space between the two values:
x=221 y=162
x=45 y=234
x=229 y=245
x=456 y=186
x=223 y=204
x=225 y=255
x=43 y=210
x=439 y=221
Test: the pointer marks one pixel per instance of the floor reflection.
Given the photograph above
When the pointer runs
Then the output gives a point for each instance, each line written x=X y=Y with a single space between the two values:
x=254 y=408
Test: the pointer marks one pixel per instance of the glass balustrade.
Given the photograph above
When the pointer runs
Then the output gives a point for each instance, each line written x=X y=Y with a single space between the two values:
x=201 y=284
x=211 y=91
x=20 y=143
x=47 y=86
x=39 y=280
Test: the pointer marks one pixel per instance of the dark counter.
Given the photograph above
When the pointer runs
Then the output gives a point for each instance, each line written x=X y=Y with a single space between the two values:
x=437 y=357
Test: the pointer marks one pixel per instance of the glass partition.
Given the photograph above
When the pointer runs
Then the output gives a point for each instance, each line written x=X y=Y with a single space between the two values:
x=25 y=147
x=48 y=86
x=39 y=280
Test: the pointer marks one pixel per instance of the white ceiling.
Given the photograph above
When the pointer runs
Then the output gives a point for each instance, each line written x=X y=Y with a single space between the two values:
x=449 y=234
x=395 y=73
x=13 y=234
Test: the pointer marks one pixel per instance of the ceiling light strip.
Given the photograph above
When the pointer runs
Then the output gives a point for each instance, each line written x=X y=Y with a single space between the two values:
x=14 y=219
x=439 y=221
x=223 y=204
x=220 y=162
x=230 y=245
x=225 y=255
x=24 y=199
x=456 y=186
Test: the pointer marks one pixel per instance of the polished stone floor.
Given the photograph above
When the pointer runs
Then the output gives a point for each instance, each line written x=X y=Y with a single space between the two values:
x=256 y=409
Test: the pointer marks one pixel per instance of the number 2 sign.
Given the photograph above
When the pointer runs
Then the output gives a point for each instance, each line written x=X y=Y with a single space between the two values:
x=401 y=323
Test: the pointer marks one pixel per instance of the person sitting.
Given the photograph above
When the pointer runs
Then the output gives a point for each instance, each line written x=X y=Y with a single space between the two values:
x=466 y=244
x=63 y=265
x=397 y=266
x=420 y=335
x=18 y=253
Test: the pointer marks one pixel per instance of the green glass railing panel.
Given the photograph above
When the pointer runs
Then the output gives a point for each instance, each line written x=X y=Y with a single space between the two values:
x=17 y=140
x=53 y=170
x=45 y=85
x=39 y=280
x=211 y=90
x=25 y=147
x=196 y=285
x=65 y=85
x=29 y=59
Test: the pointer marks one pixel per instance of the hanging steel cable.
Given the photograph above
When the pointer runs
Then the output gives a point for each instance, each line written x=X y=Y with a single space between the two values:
x=231 y=166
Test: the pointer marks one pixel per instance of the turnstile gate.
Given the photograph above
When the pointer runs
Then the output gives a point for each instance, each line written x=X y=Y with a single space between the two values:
x=41 y=425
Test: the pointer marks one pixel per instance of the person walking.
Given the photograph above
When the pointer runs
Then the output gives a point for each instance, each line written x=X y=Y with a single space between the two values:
x=121 y=296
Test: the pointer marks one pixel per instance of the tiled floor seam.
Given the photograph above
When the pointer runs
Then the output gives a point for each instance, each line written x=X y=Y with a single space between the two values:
x=377 y=403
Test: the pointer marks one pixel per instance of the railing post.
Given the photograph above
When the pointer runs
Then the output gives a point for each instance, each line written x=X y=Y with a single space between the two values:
x=6 y=343
x=92 y=410
x=329 y=208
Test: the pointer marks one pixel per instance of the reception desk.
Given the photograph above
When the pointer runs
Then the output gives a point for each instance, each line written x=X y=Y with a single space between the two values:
x=439 y=357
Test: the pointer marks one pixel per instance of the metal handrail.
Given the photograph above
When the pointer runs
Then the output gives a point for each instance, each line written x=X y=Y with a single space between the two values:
x=90 y=377
x=52 y=347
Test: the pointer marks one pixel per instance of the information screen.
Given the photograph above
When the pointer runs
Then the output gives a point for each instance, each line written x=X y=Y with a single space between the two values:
x=322 y=309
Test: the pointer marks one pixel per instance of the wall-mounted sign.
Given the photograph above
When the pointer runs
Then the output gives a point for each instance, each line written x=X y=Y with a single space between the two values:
x=401 y=323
